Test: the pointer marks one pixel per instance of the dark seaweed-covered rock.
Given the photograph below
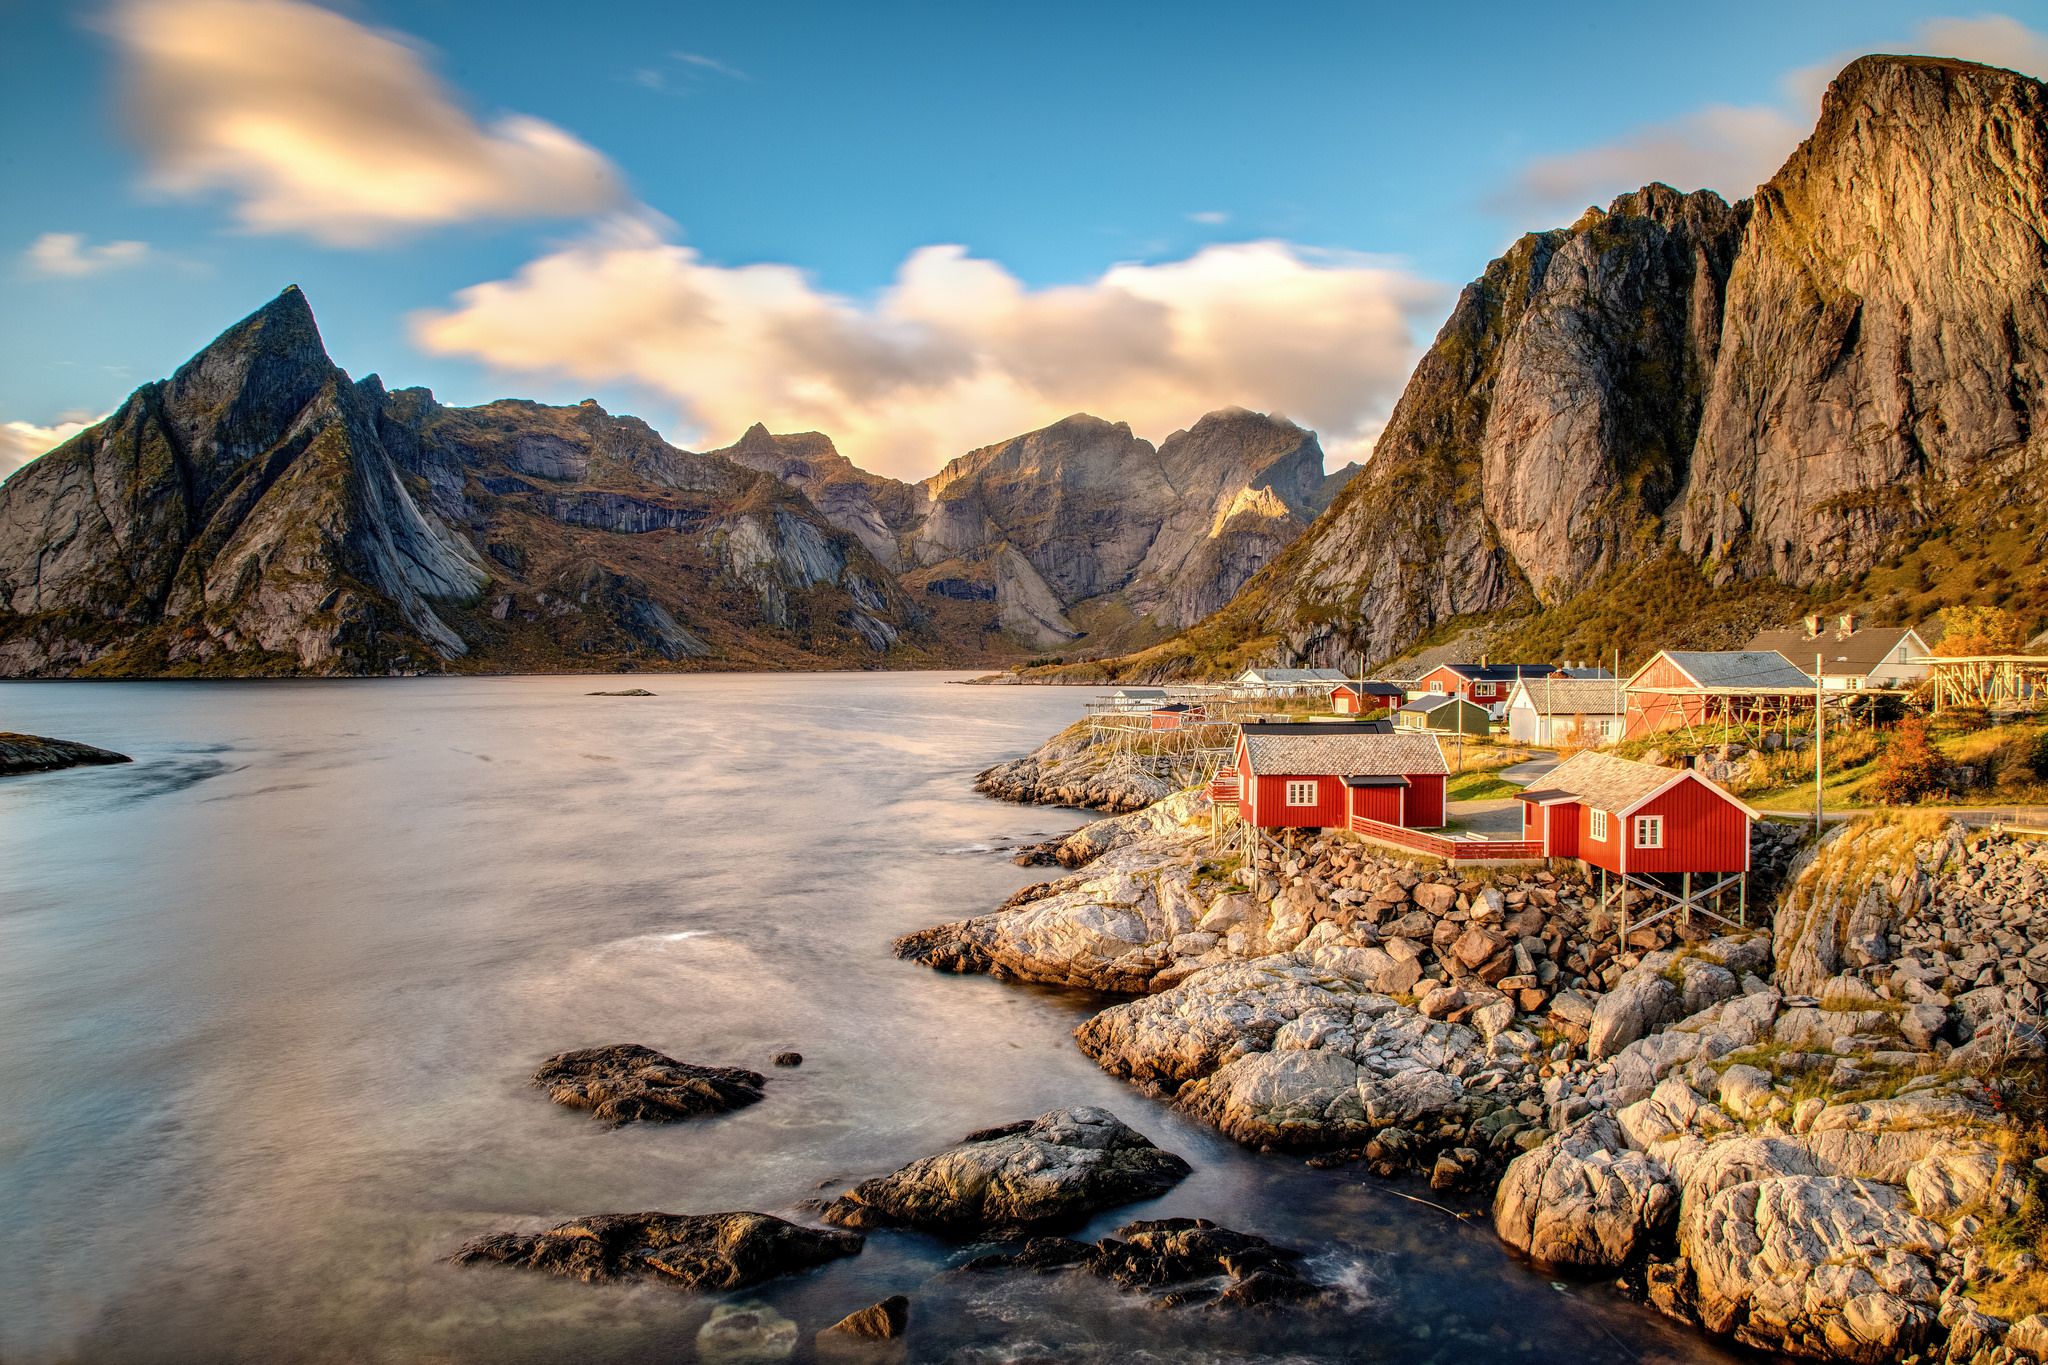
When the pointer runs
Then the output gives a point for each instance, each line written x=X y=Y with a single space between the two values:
x=34 y=754
x=1191 y=1259
x=626 y=1081
x=1040 y=1173
x=695 y=1250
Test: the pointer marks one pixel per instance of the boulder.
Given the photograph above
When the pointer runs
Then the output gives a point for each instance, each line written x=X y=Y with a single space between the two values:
x=626 y=1081
x=1056 y=1169
x=1182 y=1261
x=1302 y=1097
x=1583 y=1200
x=695 y=1250
x=746 y=1334
x=882 y=1321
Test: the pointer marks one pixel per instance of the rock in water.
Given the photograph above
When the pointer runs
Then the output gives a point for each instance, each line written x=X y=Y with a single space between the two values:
x=877 y=1322
x=1052 y=1170
x=1184 y=1256
x=626 y=1081
x=34 y=754
x=789 y=1059
x=624 y=692
x=695 y=1250
x=745 y=1334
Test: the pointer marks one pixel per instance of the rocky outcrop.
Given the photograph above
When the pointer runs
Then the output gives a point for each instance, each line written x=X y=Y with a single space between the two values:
x=690 y=1250
x=1177 y=1261
x=1585 y=1201
x=34 y=754
x=1051 y=1171
x=260 y=512
x=1076 y=767
x=625 y=1081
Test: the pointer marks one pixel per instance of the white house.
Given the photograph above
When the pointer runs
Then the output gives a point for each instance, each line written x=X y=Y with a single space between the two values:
x=1853 y=657
x=1578 y=712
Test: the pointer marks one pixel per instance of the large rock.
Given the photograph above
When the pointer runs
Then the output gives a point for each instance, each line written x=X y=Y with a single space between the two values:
x=696 y=1250
x=1050 y=1171
x=1661 y=990
x=34 y=754
x=625 y=1081
x=1180 y=1260
x=1584 y=1200
x=1825 y=1267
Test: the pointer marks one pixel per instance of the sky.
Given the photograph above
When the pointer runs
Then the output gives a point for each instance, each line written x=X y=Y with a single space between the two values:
x=919 y=228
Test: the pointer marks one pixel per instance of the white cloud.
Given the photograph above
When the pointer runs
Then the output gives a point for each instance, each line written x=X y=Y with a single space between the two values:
x=704 y=63
x=1735 y=148
x=957 y=352
x=319 y=125
x=66 y=254
x=21 y=442
x=1209 y=217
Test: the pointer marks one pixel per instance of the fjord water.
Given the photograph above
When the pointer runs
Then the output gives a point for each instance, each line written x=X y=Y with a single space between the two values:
x=270 y=996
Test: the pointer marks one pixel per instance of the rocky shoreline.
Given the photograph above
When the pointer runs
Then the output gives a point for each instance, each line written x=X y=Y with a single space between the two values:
x=1074 y=769
x=1822 y=1136
x=35 y=754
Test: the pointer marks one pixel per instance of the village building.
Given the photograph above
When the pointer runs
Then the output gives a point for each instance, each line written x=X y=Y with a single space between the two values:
x=1489 y=685
x=1741 y=689
x=1446 y=712
x=1566 y=712
x=1357 y=698
x=1135 y=699
x=1176 y=714
x=1286 y=682
x=1335 y=777
x=1853 y=656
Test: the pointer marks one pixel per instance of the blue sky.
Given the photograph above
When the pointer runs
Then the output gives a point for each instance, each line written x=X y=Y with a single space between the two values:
x=1084 y=160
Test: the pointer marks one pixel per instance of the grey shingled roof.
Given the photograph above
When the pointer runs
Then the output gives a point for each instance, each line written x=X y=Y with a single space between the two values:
x=1344 y=755
x=1295 y=675
x=1854 y=653
x=1602 y=780
x=1575 y=696
x=1762 y=670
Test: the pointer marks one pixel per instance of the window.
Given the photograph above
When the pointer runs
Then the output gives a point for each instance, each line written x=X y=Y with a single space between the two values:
x=1600 y=824
x=1649 y=831
x=1436 y=685
x=1484 y=689
x=1301 y=793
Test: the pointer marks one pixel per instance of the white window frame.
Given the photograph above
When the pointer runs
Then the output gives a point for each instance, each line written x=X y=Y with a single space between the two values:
x=1301 y=792
x=1482 y=689
x=1600 y=825
x=1436 y=686
x=1649 y=831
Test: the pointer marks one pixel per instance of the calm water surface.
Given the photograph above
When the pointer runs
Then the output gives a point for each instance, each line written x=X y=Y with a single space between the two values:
x=270 y=996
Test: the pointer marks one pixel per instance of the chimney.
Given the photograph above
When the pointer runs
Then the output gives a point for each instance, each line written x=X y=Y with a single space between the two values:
x=1847 y=621
x=1813 y=623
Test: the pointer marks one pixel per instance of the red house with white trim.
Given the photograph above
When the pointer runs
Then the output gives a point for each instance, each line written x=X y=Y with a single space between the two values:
x=1488 y=685
x=1636 y=818
x=1333 y=776
x=1357 y=698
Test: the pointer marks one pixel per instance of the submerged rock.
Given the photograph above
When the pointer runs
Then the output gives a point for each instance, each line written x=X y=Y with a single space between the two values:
x=746 y=1334
x=623 y=692
x=1193 y=1258
x=1055 y=1169
x=34 y=754
x=625 y=1081
x=695 y=1250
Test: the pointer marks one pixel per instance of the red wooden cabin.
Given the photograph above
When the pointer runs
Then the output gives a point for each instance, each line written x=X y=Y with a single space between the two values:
x=1357 y=698
x=1488 y=685
x=1329 y=777
x=1176 y=714
x=1636 y=818
x=1679 y=689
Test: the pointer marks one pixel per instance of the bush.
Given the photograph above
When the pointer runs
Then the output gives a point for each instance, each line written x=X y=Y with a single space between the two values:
x=1910 y=767
x=2038 y=758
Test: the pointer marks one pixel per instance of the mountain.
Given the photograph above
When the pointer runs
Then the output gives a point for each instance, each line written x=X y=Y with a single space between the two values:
x=259 y=512
x=1077 y=530
x=1679 y=419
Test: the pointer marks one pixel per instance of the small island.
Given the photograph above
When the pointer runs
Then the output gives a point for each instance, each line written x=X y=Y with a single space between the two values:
x=34 y=754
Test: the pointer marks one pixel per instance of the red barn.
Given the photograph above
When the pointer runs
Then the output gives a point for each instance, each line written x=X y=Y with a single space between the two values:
x=1176 y=714
x=1679 y=689
x=1328 y=776
x=1636 y=819
x=1357 y=698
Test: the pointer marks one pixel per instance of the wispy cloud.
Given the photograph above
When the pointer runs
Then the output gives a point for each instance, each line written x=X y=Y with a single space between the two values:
x=1735 y=148
x=704 y=63
x=957 y=352
x=21 y=442
x=68 y=255
x=319 y=125
x=1209 y=217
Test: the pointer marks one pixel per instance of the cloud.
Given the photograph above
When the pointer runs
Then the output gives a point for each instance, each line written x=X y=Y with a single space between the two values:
x=704 y=63
x=66 y=254
x=956 y=352
x=319 y=125
x=21 y=442
x=1735 y=148
x=1209 y=217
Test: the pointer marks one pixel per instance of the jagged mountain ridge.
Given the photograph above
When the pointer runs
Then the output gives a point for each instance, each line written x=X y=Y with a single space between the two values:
x=259 y=512
x=1769 y=401
x=1080 y=528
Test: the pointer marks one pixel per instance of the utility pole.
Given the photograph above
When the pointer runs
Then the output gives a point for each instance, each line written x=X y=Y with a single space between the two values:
x=1819 y=741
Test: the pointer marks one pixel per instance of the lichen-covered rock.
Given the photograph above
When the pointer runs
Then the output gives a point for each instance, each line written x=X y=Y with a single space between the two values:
x=1584 y=1200
x=1045 y=1172
x=695 y=1250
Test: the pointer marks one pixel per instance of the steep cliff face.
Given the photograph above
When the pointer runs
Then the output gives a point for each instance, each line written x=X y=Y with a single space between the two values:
x=1787 y=393
x=1538 y=442
x=258 y=512
x=875 y=509
x=1885 y=342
